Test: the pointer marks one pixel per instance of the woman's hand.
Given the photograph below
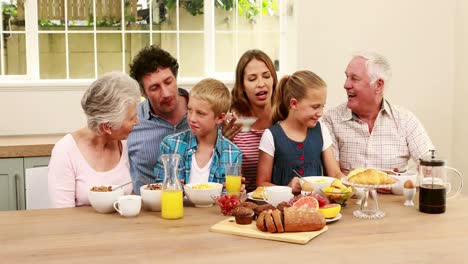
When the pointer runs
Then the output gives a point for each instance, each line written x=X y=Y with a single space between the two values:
x=229 y=129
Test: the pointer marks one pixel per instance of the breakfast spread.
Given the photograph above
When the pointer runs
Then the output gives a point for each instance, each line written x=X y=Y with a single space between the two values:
x=370 y=177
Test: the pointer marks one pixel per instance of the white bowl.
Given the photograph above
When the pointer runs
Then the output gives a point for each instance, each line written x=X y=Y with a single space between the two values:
x=203 y=197
x=151 y=199
x=318 y=182
x=103 y=202
x=246 y=122
x=397 y=188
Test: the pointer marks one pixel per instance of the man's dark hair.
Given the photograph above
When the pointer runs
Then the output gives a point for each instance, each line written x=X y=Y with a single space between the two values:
x=148 y=60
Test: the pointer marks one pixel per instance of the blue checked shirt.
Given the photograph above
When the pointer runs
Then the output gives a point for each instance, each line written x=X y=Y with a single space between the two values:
x=185 y=144
x=144 y=144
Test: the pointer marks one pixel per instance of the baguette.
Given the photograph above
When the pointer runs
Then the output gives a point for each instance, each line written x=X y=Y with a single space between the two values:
x=278 y=218
x=261 y=222
x=270 y=225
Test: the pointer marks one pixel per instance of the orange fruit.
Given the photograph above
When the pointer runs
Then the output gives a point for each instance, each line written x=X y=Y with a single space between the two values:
x=308 y=201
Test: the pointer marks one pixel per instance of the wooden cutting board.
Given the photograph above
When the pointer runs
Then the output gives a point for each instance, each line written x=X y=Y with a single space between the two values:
x=229 y=226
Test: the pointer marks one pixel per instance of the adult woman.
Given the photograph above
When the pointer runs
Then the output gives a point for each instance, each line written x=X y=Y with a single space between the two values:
x=97 y=154
x=251 y=96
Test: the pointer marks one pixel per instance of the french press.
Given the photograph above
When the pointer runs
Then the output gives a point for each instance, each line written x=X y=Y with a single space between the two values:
x=434 y=186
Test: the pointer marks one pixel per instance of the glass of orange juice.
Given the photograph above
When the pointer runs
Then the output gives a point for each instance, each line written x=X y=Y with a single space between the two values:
x=233 y=178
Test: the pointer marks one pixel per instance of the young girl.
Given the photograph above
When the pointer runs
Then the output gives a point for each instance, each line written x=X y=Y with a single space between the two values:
x=297 y=140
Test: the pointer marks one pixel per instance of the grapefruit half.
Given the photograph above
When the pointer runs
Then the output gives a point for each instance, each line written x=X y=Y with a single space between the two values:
x=308 y=201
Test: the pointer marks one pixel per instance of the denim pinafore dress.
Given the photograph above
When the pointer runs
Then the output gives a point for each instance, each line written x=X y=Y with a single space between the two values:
x=304 y=157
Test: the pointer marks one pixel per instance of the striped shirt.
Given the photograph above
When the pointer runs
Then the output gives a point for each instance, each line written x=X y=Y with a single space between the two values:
x=185 y=144
x=248 y=142
x=144 y=144
x=397 y=136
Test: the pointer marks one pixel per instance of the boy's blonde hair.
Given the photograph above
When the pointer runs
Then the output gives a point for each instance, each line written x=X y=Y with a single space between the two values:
x=215 y=93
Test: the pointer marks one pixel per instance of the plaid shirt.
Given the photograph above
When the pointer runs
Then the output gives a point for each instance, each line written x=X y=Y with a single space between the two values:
x=396 y=137
x=185 y=144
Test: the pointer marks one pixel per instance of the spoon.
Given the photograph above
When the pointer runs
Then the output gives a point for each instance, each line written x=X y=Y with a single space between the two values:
x=120 y=186
x=298 y=175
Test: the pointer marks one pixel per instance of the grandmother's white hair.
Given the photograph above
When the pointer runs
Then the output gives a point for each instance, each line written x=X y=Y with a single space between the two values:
x=108 y=98
x=377 y=66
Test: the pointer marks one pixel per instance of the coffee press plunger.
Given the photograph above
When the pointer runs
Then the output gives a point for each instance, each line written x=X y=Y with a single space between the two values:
x=434 y=185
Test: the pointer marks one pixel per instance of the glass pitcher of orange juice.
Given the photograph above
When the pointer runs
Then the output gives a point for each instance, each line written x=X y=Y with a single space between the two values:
x=172 y=198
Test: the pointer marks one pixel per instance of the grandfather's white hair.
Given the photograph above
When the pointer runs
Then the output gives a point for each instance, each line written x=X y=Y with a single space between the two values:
x=108 y=98
x=377 y=66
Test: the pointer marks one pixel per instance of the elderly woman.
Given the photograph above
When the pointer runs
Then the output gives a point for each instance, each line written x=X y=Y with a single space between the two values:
x=96 y=155
x=251 y=97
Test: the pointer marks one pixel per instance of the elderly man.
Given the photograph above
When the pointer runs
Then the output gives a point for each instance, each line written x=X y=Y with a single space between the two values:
x=161 y=114
x=368 y=130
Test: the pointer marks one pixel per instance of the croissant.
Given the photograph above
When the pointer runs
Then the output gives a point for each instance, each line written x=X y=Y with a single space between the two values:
x=370 y=177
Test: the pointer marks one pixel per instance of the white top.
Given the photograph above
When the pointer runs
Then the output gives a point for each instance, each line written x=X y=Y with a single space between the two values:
x=197 y=174
x=267 y=144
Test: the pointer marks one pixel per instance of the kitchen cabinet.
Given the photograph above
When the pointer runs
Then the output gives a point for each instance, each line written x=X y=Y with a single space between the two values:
x=12 y=187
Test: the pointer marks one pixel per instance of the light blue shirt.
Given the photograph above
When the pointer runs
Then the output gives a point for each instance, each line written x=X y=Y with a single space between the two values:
x=144 y=144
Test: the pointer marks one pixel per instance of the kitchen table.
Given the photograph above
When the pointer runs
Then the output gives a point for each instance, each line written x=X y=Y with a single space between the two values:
x=80 y=235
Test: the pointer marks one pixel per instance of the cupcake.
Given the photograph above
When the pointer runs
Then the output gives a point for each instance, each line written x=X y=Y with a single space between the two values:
x=243 y=215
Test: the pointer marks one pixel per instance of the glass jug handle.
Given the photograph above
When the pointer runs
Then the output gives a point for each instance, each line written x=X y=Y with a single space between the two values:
x=451 y=185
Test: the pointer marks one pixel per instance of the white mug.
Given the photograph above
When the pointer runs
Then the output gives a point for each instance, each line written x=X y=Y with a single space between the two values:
x=274 y=195
x=128 y=205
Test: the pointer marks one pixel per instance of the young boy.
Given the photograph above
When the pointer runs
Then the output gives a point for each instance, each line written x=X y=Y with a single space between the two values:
x=203 y=149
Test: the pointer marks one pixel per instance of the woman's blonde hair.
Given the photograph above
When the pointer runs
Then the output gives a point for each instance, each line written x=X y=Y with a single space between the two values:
x=215 y=93
x=293 y=86
x=240 y=103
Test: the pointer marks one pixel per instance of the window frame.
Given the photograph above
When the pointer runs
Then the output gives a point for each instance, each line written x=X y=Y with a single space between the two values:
x=32 y=32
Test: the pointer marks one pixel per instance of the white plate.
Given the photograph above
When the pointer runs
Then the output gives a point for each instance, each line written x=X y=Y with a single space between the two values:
x=336 y=218
x=249 y=195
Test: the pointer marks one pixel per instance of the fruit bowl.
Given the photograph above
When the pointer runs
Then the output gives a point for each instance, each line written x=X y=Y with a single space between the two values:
x=227 y=203
x=318 y=182
x=336 y=195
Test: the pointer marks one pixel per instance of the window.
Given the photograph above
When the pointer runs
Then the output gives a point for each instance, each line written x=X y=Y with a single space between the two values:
x=82 y=39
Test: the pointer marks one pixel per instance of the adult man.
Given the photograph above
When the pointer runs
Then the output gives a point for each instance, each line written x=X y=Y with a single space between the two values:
x=161 y=114
x=369 y=131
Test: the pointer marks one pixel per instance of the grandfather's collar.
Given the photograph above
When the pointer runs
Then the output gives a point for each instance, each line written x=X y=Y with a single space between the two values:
x=385 y=108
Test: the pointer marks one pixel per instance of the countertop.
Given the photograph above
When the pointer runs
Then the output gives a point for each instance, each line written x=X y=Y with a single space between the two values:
x=27 y=146
x=80 y=235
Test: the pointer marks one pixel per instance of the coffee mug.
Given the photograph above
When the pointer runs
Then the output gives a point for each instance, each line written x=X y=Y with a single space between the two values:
x=274 y=195
x=128 y=205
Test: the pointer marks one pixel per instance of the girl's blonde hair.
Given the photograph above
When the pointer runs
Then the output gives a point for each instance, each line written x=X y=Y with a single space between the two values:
x=293 y=86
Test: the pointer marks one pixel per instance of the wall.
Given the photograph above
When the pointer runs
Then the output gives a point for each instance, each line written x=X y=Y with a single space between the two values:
x=460 y=108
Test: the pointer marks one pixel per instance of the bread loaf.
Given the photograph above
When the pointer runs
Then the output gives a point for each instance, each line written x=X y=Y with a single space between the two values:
x=292 y=220
x=302 y=219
